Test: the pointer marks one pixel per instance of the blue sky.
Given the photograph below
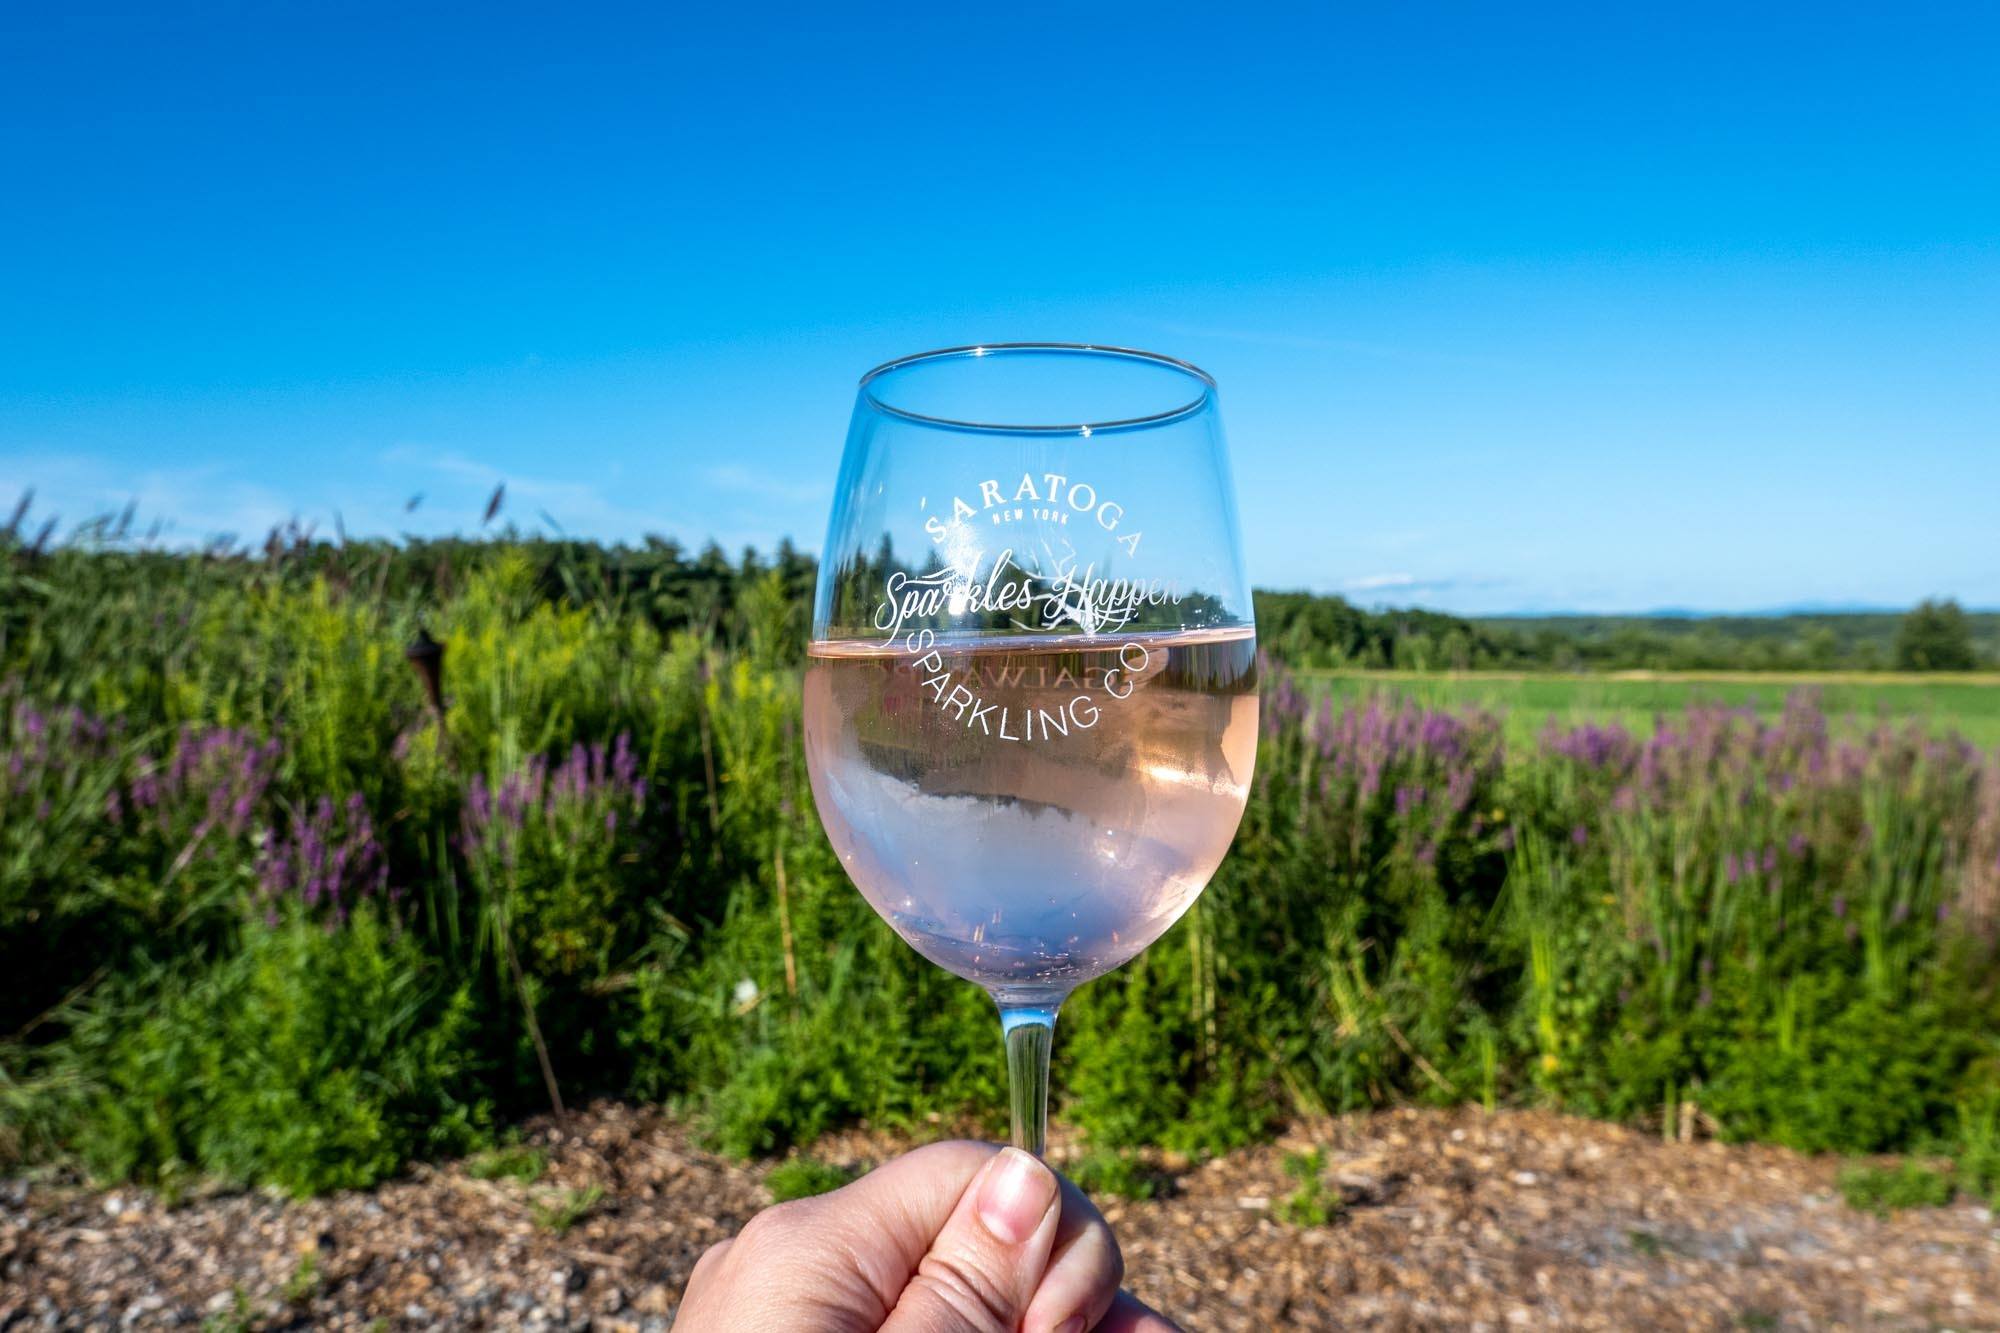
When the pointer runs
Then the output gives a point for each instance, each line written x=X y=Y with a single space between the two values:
x=1570 y=308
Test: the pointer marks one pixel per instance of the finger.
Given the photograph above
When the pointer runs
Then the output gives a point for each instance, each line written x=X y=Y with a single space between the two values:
x=1084 y=1270
x=836 y=1262
x=706 y=1290
x=890 y=1216
x=984 y=1266
x=711 y=1260
x=1128 y=1315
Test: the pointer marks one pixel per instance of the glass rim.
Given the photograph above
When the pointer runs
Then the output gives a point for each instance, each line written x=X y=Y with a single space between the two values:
x=1108 y=351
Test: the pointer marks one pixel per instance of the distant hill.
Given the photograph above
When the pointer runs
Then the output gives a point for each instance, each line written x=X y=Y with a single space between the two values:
x=1306 y=629
x=1799 y=640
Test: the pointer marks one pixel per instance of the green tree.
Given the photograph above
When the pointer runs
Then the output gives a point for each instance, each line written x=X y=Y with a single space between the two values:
x=1935 y=636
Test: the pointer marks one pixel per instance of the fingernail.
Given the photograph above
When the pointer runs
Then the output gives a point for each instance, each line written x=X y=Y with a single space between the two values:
x=1015 y=1196
x=1073 y=1324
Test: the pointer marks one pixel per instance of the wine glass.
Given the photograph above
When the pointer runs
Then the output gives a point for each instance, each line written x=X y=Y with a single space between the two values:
x=1031 y=691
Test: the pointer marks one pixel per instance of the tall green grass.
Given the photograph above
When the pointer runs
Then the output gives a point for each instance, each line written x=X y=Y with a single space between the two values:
x=1967 y=706
x=267 y=915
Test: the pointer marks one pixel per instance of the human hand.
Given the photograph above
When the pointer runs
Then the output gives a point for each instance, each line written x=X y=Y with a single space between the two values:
x=952 y=1238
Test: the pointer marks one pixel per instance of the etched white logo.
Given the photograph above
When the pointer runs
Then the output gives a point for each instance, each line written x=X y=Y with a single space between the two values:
x=1079 y=712
x=1070 y=595
x=1042 y=586
x=1054 y=501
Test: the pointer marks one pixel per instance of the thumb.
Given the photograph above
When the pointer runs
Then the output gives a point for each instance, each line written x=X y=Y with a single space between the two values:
x=983 y=1268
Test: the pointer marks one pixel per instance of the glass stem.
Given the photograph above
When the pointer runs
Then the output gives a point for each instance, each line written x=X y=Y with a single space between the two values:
x=1030 y=1031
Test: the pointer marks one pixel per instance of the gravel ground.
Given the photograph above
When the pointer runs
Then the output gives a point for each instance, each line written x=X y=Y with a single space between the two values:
x=1445 y=1220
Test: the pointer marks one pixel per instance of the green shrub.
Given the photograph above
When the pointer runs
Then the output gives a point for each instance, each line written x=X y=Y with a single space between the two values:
x=1312 y=1203
x=1125 y=1056
x=312 y=1060
x=304 y=1280
x=1118 y=1175
x=876 y=1036
x=804 y=1177
x=511 y=1161
x=560 y=1210
x=1976 y=1144
x=1779 y=923
x=1859 y=1076
x=1883 y=1190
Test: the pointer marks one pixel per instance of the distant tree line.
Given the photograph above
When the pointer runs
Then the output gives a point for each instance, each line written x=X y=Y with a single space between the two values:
x=1308 y=630
x=762 y=603
x=1934 y=636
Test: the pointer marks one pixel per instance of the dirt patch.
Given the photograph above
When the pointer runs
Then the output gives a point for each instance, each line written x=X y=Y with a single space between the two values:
x=1434 y=1219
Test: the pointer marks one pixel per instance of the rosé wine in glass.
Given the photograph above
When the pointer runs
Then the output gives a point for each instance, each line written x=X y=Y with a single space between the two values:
x=1031 y=814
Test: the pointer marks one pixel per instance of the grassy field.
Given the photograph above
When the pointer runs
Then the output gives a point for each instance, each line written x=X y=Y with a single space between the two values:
x=277 y=909
x=1968 y=704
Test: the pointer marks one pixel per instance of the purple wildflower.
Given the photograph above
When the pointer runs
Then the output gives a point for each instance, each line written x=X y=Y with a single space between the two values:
x=326 y=856
x=1591 y=745
x=588 y=790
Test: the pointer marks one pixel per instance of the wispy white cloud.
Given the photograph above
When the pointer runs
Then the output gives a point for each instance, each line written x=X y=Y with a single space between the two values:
x=190 y=505
x=740 y=480
x=1379 y=582
x=461 y=486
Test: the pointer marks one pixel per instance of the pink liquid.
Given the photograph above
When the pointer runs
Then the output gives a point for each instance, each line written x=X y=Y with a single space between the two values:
x=1032 y=812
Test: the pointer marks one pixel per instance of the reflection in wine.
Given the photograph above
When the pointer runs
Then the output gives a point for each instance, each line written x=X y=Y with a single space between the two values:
x=1031 y=812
